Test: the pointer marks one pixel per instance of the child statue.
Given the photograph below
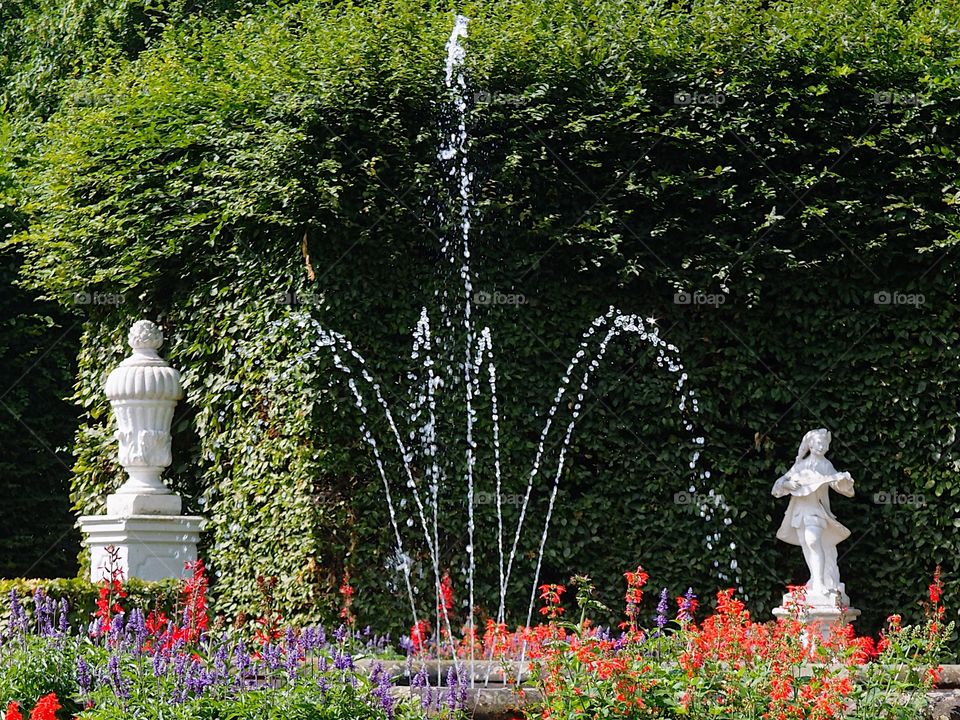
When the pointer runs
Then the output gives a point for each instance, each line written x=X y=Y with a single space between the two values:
x=809 y=521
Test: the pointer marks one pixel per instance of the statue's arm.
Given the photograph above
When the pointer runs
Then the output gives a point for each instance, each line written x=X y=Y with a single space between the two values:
x=783 y=486
x=843 y=484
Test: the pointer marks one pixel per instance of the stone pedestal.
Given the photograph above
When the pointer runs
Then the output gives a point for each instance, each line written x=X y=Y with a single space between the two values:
x=143 y=525
x=148 y=547
x=821 y=613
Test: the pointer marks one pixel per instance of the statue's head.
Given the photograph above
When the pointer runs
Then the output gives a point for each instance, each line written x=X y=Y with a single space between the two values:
x=816 y=442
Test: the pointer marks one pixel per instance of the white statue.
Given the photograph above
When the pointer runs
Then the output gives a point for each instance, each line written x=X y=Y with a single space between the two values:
x=809 y=522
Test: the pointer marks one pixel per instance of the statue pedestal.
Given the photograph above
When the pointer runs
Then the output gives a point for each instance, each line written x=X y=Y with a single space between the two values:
x=148 y=547
x=822 y=614
x=127 y=504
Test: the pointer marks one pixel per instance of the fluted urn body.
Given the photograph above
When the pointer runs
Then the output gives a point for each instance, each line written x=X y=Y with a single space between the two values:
x=143 y=392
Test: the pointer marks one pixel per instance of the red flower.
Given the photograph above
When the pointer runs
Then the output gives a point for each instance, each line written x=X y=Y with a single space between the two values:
x=194 y=593
x=936 y=589
x=686 y=608
x=13 y=712
x=111 y=591
x=418 y=635
x=46 y=708
x=635 y=582
x=551 y=596
x=346 y=592
x=446 y=594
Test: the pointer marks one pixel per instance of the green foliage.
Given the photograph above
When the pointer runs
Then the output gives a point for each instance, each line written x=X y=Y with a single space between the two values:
x=793 y=159
x=45 y=45
x=34 y=666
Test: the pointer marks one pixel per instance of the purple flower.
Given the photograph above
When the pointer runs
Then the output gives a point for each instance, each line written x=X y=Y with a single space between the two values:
x=39 y=606
x=420 y=681
x=462 y=693
x=43 y=613
x=197 y=678
x=137 y=629
x=64 y=616
x=19 y=624
x=342 y=660
x=116 y=678
x=179 y=678
x=662 y=609
x=221 y=663
x=161 y=656
x=241 y=658
x=382 y=684
x=451 y=697
x=273 y=656
x=49 y=615
x=294 y=654
x=309 y=638
x=340 y=635
x=116 y=629
x=84 y=677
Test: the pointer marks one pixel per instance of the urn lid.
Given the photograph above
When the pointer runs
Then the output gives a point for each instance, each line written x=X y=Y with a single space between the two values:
x=144 y=375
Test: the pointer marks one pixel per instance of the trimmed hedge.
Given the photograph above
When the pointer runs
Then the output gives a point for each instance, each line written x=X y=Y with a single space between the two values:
x=796 y=159
x=82 y=596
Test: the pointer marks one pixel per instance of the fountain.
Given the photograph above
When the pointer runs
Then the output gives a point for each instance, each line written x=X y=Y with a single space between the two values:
x=467 y=370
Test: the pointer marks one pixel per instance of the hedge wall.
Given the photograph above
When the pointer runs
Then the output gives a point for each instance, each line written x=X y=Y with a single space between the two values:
x=81 y=595
x=788 y=161
x=44 y=46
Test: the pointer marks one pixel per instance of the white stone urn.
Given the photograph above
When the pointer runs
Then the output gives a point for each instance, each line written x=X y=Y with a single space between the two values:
x=143 y=534
x=143 y=392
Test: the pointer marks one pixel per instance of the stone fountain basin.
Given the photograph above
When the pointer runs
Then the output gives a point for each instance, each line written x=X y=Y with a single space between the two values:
x=481 y=672
x=487 y=703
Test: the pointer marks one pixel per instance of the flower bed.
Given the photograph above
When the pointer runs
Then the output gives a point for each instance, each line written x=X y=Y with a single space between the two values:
x=732 y=667
x=132 y=663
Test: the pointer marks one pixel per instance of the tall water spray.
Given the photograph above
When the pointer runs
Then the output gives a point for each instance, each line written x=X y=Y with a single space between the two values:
x=441 y=368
